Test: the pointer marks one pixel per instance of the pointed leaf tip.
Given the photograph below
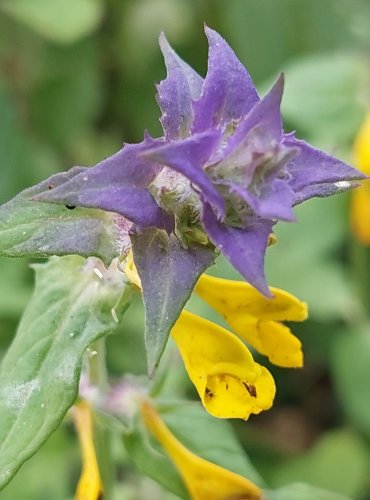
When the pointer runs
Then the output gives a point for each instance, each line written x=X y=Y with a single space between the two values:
x=168 y=274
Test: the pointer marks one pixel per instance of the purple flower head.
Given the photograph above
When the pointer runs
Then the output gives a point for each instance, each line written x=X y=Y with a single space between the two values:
x=231 y=146
x=223 y=174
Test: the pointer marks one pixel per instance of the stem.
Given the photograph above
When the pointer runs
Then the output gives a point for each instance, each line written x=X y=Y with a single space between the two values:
x=102 y=435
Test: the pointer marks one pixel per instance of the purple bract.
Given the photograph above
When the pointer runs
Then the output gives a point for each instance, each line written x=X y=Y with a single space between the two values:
x=223 y=174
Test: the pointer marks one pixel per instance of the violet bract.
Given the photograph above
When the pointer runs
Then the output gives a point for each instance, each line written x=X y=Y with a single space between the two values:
x=223 y=174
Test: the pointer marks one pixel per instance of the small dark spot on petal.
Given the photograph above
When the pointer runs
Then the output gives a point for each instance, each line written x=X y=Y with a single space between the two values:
x=50 y=186
x=70 y=207
x=251 y=389
x=209 y=393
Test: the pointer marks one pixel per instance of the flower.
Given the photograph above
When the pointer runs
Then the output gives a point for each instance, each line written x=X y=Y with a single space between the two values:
x=218 y=180
x=204 y=480
x=231 y=147
x=89 y=486
x=360 y=206
x=229 y=382
x=257 y=319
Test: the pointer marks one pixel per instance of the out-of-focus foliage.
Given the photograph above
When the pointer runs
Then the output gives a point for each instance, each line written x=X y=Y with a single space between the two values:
x=76 y=81
x=62 y=21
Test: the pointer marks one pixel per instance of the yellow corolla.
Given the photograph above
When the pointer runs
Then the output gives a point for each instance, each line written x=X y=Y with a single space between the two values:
x=89 y=486
x=204 y=480
x=256 y=318
x=229 y=382
x=360 y=206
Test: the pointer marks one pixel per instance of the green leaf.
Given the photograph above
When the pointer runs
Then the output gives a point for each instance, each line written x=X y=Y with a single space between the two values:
x=62 y=21
x=168 y=274
x=202 y=434
x=66 y=103
x=302 y=492
x=22 y=162
x=72 y=306
x=338 y=462
x=351 y=372
x=35 y=229
x=321 y=90
x=303 y=260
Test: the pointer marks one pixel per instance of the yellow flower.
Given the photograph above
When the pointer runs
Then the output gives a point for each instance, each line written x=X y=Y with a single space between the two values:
x=360 y=206
x=256 y=318
x=89 y=486
x=229 y=382
x=204 y=480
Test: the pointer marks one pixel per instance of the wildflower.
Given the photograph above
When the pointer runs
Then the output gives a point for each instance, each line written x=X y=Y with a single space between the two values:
x=89 y=486
x=232 y=149
x=204 y=480
x=360 y=206
x=221 y=177
x=229 y=382
x=257 y=319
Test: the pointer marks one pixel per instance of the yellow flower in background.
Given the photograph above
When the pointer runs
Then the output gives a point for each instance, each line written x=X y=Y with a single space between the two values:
x=204 y=480
x=360 y=206
x=89 y=486
x=256 y=318
x=229 y=382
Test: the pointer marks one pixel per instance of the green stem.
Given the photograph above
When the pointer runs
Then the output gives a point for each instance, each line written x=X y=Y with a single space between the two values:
x=102 y=435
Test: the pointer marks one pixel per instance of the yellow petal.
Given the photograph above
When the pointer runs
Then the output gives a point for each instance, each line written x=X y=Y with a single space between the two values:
x=253 y=317
x=238 y=297
x=89 y=486
x=361 y=149
x=229 y=382
x=131 y=271
x=279 y=344
x=204 y=480
x=360 y=214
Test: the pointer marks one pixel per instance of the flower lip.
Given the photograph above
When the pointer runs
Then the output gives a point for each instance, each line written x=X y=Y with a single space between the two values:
x=228 y=380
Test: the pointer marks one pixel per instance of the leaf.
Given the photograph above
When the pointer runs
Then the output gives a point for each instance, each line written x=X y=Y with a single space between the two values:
x=71 y=307
x=338 y=462
x=62 y=21
x=303 y=260
x=34 y=229
x=168 y=274
x=213 y=440
x=321 y=90
x=21 y=161
x=351 y=372
x=301 y=491
x=66 y=102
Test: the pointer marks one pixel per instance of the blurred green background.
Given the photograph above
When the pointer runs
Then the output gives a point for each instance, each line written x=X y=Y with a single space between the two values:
x=76 y=81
